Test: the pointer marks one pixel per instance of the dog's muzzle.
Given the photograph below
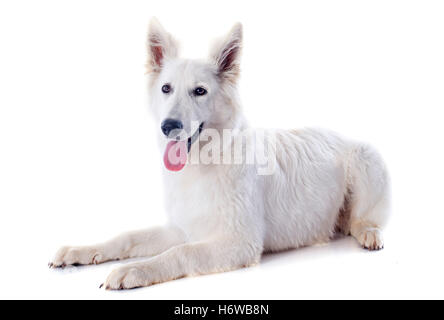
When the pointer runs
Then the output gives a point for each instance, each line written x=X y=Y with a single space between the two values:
x=176 y=151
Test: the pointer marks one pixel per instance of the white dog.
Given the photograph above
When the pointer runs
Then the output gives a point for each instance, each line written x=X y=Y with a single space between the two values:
x=224 y=216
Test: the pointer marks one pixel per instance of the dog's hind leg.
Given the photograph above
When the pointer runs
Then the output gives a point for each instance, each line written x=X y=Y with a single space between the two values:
x=369 y=196
x=143 y=243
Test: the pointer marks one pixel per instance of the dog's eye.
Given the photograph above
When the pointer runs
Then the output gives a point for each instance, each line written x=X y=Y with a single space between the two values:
x=199 y=91
x=166 y=88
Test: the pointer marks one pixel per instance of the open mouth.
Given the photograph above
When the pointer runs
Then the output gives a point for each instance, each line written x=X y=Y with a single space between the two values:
x=176 y=151
x=194 y=137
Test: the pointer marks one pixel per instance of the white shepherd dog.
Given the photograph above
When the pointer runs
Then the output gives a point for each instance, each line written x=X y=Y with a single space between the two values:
x=227 y=209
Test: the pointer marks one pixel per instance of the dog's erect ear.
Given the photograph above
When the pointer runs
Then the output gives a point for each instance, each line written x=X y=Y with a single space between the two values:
x=161 y=46
x=226 y=54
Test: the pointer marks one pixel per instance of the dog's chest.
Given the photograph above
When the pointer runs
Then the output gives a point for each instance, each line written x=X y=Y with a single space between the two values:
x=193 y=201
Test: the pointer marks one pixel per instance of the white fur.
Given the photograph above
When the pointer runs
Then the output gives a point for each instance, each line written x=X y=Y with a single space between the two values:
x=223 y=217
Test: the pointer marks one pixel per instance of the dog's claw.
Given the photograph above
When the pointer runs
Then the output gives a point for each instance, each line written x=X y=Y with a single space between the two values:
x=100 y=287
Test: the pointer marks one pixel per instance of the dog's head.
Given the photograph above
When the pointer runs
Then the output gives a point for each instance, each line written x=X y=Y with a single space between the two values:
x=189 y=95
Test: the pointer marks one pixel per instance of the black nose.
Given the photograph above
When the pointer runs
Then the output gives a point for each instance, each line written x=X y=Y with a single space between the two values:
x=169 y=125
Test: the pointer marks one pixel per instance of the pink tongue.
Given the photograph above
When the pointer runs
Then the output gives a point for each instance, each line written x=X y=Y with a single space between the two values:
x=175 y=156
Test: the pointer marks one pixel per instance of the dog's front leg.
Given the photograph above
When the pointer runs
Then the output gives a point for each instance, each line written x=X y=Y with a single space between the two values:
x=143 y=243
x=186 y=260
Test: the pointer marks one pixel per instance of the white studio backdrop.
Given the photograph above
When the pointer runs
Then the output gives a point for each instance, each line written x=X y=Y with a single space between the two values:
x=79 y=162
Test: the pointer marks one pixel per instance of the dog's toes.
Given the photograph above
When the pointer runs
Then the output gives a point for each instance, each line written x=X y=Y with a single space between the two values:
x=126 y=278
x=55 y=265
x=76 y=256
x=371 y=239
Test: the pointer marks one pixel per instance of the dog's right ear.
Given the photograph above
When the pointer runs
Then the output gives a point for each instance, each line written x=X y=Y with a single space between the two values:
x=161 y=46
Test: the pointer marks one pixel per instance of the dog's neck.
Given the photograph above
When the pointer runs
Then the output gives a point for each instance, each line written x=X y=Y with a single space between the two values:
x=228 y=129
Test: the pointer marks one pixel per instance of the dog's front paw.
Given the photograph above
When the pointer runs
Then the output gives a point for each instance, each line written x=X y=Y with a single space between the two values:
x=67 y=256
x=127 y=277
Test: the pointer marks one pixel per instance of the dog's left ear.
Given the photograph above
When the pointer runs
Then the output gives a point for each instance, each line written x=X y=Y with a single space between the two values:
x=226 y=54
x=161 y=46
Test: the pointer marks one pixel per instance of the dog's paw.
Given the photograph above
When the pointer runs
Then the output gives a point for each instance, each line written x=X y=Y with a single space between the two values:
x=371 y=239
x=127 y=277
x=67 y=256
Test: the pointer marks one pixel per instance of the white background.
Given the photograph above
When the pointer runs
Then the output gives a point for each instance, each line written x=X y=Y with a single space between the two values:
x=79 y=163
